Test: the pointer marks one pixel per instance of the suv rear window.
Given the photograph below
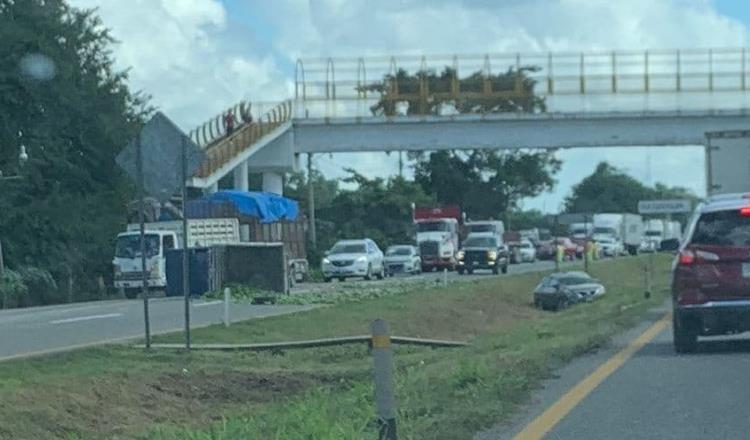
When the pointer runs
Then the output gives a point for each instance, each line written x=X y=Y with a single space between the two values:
x=723 y=228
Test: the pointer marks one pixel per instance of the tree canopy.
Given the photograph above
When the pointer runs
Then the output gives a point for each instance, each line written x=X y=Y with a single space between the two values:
x=486 y=183
x=64 y=212
x=608 y=189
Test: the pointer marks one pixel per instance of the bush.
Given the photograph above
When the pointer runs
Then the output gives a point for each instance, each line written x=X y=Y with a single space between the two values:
x=13 y=290
x=42 y=288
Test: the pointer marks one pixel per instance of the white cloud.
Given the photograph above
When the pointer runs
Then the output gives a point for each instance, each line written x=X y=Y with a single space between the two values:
x=181 y=53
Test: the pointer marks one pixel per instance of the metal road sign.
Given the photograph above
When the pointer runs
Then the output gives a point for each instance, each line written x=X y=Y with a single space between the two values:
x=161 y=146
x=664 y=206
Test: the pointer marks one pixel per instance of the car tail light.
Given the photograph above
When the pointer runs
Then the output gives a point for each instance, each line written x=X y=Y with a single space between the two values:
x=745 y=211
x=686 y=258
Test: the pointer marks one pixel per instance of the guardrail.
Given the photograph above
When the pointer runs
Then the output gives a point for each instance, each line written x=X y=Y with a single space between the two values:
x=421 y=80
x=221 y=148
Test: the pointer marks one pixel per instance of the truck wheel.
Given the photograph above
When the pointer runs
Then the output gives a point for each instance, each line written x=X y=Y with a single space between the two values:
x=342 y=279
x=684 y=340
x=461 y=271
x=426 y=269
x=495 y=271
x=505 y=268
x=327 y=279
x=132 y=293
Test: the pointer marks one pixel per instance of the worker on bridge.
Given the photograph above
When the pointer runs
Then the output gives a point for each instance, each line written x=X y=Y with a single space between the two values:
x=229 y=123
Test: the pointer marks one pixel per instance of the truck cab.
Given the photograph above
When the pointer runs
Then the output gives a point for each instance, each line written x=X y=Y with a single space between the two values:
x=438 y=242
x=127 y=260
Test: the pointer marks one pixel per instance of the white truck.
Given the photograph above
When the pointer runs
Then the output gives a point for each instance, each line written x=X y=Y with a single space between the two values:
x=625 y=228
x=672 y=230
x=653 y=235
x=160 y=237
x=580 y=230
x=437 y=236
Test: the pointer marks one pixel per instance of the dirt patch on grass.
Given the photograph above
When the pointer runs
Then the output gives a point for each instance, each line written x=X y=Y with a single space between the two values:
x=120 y=405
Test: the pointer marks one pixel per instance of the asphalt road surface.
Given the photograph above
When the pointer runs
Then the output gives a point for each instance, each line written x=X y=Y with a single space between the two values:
x=57 y=328
x=49 y=329
x=639 y=388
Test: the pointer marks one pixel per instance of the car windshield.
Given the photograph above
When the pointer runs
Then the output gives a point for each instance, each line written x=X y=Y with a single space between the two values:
x=481 y=228
x=653 y=233
x=726 y=228
x=601 y=230
x=487 y=242
x=129 y=246
x=349 y=248
x=574 y=280
x=432 y=226
x=399 y=251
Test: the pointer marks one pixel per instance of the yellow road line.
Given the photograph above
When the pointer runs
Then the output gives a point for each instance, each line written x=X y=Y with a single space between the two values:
x=544 y=423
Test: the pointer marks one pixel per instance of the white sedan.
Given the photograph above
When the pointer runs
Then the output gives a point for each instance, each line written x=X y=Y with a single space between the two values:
x=353 y=258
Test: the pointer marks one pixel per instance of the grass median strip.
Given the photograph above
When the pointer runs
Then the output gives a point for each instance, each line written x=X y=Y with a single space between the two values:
x=326 y=393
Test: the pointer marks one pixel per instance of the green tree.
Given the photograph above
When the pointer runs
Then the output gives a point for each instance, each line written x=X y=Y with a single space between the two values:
x=376 y=208
x=609 y=189
x=486 y=183
x=63 y=215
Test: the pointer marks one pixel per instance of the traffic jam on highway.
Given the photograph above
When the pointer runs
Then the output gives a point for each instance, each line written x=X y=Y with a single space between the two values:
x=445 y=239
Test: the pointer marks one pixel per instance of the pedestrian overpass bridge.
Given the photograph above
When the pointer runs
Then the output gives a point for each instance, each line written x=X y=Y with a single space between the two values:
x=493 y=101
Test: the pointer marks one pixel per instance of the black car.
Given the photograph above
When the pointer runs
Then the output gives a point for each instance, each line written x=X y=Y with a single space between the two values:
x=482 y=252
x=560 y=290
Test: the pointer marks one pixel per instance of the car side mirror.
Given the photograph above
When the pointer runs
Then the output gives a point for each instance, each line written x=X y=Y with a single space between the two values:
x=670 y=245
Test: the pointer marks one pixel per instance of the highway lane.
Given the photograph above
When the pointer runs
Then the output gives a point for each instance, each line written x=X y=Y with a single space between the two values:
x=654 y=394
x=58 y=328
x=63 y=327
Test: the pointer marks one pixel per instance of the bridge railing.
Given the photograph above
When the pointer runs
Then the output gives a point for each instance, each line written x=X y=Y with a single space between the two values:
x=222 y=148
x=620 y=80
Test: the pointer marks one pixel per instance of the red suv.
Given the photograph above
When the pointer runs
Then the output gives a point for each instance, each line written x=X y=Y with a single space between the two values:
x=711 y=274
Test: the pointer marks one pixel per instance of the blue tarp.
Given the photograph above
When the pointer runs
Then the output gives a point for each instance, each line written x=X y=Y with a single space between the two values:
x=266 y=207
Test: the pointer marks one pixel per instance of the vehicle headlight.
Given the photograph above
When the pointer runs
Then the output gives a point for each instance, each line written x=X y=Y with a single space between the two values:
x=326 y=261
x=491 y=255
x=362 y=259
x=460 y=255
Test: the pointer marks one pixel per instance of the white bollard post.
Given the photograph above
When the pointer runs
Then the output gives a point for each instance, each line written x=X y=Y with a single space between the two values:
x=445 y=277
x=385 y=399
x=227 y=293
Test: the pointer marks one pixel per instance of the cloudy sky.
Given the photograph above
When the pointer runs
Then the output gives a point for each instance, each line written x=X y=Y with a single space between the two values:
x=196 y=57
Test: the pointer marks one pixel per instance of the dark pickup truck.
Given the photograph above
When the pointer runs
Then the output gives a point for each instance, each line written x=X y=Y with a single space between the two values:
x=483 y=252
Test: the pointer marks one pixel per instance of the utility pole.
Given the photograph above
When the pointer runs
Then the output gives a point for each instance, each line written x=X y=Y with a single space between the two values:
x=186 y=245
x=311 y=202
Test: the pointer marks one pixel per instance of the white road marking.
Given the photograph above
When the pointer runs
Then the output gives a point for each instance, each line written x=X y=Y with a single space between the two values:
x=85 y=318
x=210 y=303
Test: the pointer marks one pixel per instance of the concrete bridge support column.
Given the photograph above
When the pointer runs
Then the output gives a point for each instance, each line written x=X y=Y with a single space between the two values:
x=273 y=183
x=241 y=177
